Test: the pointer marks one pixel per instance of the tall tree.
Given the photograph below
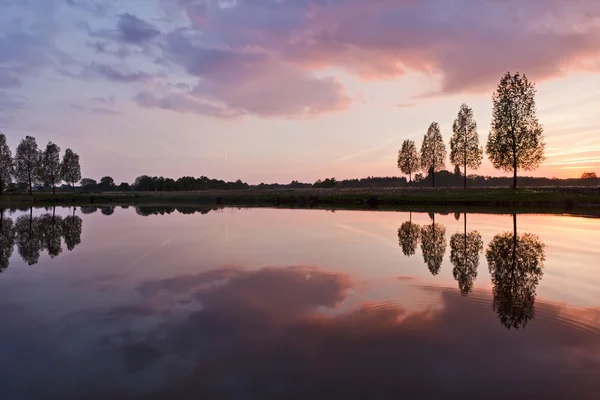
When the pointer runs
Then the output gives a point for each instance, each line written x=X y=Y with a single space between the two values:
x=6 y=164
x=464 y=256
x=27 y=162
x=433 y=151
x=51 y=233
x=50 y=167
x=433 y=245
x=71 y=170
x=516 y=263
x=408 y=159
x=516 y=140
x=464 y=144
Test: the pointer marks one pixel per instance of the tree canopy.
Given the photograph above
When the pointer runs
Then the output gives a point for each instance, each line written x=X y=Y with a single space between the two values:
x=27 y=161
x=6 y=164
x=433 y=151
x=71 y=170
x=408 y=159
x=516 y=140
x=50 y=166
x=464 y=143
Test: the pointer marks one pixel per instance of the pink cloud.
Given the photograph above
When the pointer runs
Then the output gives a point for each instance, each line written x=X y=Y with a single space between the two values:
x=467 y=44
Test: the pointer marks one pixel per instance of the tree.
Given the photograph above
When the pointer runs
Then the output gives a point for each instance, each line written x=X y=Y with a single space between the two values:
x=433 y=151
x=87 y=182
x=50 y=167
x=27 y=162
x=433 y=245
x=589 y=175
x=516 y=264
x=408 y=237
x=516 y=140
x=408 y=159
x=464 y=144
x=71 y=170
x=464 y=256
x=7 y=240
x=107 y=183
x=6 y=164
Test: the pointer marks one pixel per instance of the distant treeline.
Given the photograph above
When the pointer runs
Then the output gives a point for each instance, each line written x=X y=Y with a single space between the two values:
x=443 y=179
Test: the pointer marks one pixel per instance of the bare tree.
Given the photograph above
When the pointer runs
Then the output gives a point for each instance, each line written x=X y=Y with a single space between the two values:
x=6 y=164
x=516 y=140
x=433 y=151
x=464 y=144
x=71 y=170
x=408 y=159
x=50 y=166
x=27 y=162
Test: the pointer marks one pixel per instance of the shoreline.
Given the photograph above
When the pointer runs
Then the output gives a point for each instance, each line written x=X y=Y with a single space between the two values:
x=570 y=200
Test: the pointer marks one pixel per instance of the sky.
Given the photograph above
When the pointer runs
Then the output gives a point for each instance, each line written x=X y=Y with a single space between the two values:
x=277 y=90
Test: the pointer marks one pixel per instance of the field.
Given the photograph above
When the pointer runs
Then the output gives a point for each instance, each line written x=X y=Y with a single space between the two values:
x=578 y=199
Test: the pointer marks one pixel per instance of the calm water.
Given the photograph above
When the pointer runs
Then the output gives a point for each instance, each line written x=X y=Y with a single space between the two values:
x=297 y=304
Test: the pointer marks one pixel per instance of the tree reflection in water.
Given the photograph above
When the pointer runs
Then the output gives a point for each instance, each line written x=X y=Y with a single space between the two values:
x=464 y=255
x=516 y=263
x=433 y=245
x=408 y=237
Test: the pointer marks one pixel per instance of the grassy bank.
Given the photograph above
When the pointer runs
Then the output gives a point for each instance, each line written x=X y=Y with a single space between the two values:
x=559 y=199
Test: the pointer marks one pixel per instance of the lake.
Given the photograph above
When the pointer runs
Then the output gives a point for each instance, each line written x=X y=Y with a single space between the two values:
x=187 y=302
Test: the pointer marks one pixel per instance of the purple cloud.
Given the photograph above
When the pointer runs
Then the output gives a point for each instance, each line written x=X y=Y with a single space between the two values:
x=118 y=74
x=135 y=30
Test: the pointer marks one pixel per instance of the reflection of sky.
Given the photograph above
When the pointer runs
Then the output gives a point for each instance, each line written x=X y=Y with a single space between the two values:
x=146 y=301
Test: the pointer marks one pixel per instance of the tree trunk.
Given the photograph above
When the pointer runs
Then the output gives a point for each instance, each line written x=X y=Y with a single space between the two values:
x=409 y=179
x=465 y=176
x=514 y=146
x=53 y=189
x=73 y=185
x=433 y=176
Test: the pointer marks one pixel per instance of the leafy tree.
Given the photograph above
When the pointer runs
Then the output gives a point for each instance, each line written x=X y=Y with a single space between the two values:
x=107 y=210
x=433 y=151
x=88 y=182
x=516 y=264
x=408 y=237
x=589 y=175
x=27 y=232
x=27 y=162
x=71 y=230
x=125 y=187
x=50 y=167
x=464 y=255
x=107 y=181
x=6 y=164
x=71 y=170
x=408 y=159
x=7 y=240
x=516 y=140
x=327 y=183
x=433 y=245
x=88 y=209
x=464 y=144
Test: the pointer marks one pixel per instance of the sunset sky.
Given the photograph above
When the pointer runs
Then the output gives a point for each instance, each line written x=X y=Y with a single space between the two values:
x=275 y=90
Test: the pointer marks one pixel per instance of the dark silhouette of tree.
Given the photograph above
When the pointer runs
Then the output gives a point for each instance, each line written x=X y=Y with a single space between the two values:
x=50 y=227
x=457 y=216
x=50 y=167
x=516 y=139
x=6 y=164
x=464 y=255
x=88 y=182
x=408 y=237
x=27 y=161
x=27 y=232
x=107 y=183
x=71 y=230
x=589 y=175
x=433 y=151
x=516 y=264
x=88 y=209
x=71 y=170
x=464 y=144
x=7 y=240
x=408 y=159
x=433 y=245
x=107 y=210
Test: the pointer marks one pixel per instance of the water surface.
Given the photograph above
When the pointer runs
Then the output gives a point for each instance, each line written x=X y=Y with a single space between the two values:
x=267 y=303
